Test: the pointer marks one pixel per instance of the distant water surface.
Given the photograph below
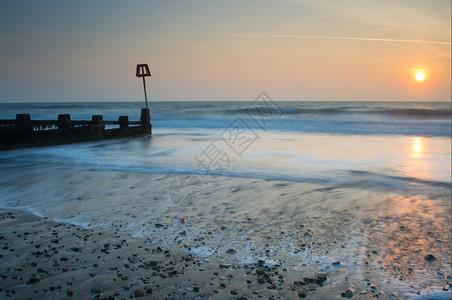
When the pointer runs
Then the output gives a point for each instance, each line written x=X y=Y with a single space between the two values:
x=431 y=119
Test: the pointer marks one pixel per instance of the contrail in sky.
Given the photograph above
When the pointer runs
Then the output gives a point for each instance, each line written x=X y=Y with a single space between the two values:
x=338 y=38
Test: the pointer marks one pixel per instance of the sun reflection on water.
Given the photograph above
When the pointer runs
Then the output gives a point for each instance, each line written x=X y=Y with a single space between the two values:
x=417 y=149
x=417 y=163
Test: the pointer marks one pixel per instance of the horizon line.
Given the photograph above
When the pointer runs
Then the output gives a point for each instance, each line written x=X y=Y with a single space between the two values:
x=235 y=100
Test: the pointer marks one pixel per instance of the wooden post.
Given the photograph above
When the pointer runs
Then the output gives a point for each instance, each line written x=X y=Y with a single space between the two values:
x=145 y=116
x=23 y=122
x=97 y=120
x=64 y=121
x=97 y=125
x=123 y=122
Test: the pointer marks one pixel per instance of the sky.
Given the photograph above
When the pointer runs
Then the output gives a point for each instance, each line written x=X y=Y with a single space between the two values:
x=360 y=50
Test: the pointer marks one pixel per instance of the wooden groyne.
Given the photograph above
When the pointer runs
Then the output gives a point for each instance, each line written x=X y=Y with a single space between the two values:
x=25 y=132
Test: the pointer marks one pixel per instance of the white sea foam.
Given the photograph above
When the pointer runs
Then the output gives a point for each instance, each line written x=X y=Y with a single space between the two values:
x=73 y=221
x=143 y=233
x=202 y=251
x=253 y=260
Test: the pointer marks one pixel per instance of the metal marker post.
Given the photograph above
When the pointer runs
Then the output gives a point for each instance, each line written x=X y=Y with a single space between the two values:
x=145 y=94
x=143 y=71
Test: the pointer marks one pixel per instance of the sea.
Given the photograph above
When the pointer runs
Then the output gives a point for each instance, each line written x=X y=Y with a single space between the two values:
x=398 y=152
x=294 y=140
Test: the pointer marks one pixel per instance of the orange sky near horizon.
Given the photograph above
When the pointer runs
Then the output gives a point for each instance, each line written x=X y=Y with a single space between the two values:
x=204 y=50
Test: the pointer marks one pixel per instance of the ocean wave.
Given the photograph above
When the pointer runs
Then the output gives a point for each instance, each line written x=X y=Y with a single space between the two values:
x=336 y=179
x=426 y=113
x=417 y=112
x=252 y=110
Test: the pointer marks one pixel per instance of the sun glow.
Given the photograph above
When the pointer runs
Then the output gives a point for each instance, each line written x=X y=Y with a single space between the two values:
x=417 y=147
x=420 y=76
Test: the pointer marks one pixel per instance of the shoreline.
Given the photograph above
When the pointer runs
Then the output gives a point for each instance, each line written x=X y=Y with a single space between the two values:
x=316 y=241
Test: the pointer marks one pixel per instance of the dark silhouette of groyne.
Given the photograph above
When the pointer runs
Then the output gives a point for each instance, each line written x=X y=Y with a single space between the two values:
x=24 y=132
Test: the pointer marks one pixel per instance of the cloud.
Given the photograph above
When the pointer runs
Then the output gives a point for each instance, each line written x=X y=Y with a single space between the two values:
x=414 y=19
x=338 y=38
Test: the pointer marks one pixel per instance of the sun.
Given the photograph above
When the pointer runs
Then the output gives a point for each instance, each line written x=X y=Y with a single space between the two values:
x=420 y=76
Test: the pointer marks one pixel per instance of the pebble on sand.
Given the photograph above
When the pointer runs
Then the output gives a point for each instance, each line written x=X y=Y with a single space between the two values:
x=430 y=258
x=348 y=293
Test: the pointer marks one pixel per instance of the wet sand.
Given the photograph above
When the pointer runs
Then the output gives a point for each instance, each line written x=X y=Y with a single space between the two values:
x=244 y=238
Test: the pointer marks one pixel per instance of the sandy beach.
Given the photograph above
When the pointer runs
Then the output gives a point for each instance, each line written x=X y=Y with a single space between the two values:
x=243 y=238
